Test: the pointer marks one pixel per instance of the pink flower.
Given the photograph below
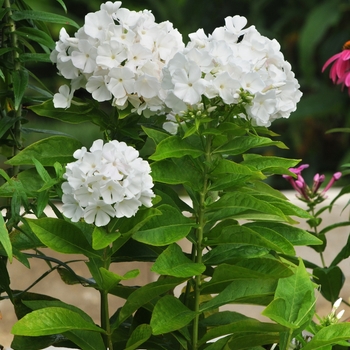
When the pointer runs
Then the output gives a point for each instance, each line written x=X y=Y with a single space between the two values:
x=340 y=70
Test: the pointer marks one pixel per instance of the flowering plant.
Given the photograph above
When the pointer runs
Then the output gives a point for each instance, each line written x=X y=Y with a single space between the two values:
x=180 y=167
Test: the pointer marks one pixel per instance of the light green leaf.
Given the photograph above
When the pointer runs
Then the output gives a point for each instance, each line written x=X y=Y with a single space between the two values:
x=145 y=294
x=239 y=205
x=140 y=334
x=62 y=236
x=241 y=144
x=260 y=237
x=170 y=314
x=175 y=147
x=329 y=336
x=255 y=268
x=111 y=279
x=156 y=135
x=5 y=239
x=164 y=229
x=247 y=290
x=101 y=239
x=43 y=16
x=293 y=234
x=294 y=301
x=52 y=320
x=47 y=151
x=20 y=82
x=173 y=262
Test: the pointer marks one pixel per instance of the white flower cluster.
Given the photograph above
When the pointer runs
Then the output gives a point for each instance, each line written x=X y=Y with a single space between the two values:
x=109 y=181
x=231 y=63
x=117 y=55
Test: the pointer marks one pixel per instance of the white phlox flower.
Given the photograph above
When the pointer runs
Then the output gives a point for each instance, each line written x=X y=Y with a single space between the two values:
x=110 y=180
x=238 y=66
x=116 y=38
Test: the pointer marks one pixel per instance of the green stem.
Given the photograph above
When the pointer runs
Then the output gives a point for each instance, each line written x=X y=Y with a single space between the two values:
x=199 y=243
x=105 y=323
x=312 y=211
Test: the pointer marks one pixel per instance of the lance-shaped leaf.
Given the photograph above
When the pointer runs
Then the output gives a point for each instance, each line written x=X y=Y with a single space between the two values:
x=101 y=239
x=5 y=239
x=140 y=334
x=42 y=16
x=255 y=268
x=110 y=279
x=239 y=205
x=293 y=234
x=241 y=144
x=145 y=294
x=170 y=314
x=48 y=151
x=329 y=336
x=36 y=35
x=156 y=135
x=176 y=147
x=20 y=82
x=173 y=262
x=52 y=320
x=294 y=302
x=177 y=172
x=164 y=229
x=261 y=237
x=62 y=236
x=245 y=291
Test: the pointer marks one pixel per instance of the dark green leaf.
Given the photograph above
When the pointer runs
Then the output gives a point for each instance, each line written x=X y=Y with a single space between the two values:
x=48 y=151
x=170 y=314
x=20 y=82
x=42 y=16
x=140 y=334
x=36 y=35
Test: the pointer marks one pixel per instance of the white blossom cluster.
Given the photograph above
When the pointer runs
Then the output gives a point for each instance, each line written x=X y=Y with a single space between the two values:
x=228 y=64
x=109 y=181
x=117 y=55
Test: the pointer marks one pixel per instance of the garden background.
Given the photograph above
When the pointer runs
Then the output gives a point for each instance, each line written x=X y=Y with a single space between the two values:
x=309 y=31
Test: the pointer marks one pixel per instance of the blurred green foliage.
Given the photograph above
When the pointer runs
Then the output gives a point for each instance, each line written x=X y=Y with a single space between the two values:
x=309 y=31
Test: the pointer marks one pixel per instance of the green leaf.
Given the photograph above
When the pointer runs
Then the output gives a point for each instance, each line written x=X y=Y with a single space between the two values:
x=254 y=327
x=343 y=254
x=7 y=123
x=329 y=336
x=241 y=144
x=294 y=235
x=173 y=262
x=86 y=340
x=243 y=206
x=246 y=291
x=20 y=82
x=170 y=314
x=156 y=135
x=5 y=239
x=331 y=281
x=75 y=114
x=294 y=302
x=260 y=237
x=34 y=57
x=176 y=172
x=145 y=294
x=52 y=320
x=164 y=229
x=255 y=268
x=48 y=151
x=101 y=239
x=175 y=147
x=140 y=334
x=42 y=16
x=275 y=165
x=111 y=279
x=36 y=35
x=62 y=236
